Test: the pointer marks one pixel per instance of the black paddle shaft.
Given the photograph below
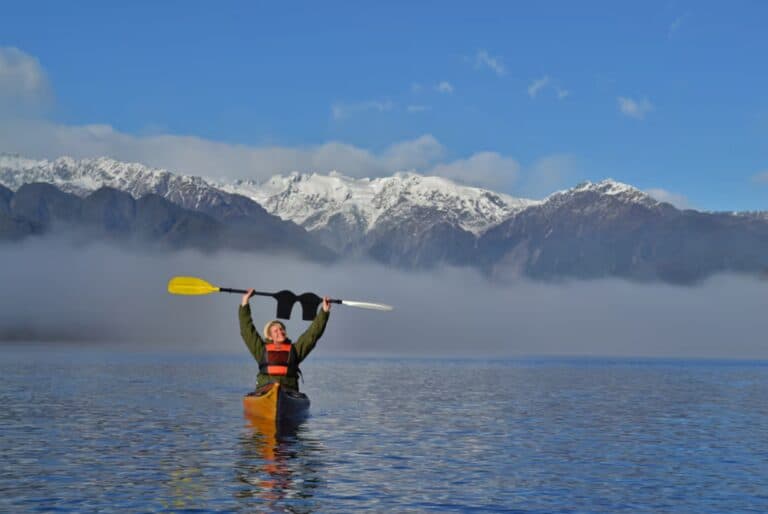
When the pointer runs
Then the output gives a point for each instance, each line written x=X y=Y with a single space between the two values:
x=285 y=300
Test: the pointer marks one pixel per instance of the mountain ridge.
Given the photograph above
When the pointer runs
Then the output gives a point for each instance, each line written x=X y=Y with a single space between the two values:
x=83 y=177
x=593 y=230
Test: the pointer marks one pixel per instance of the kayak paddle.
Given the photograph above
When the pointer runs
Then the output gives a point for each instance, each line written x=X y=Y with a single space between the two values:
x=285 y=299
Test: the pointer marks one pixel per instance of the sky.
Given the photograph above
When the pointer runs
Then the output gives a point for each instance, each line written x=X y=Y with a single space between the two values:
x=522 y=97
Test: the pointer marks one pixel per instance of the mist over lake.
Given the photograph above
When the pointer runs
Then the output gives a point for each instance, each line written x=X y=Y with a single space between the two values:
x=58 y=291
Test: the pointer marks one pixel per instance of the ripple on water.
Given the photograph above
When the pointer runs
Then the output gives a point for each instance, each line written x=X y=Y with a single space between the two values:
x=101 y=432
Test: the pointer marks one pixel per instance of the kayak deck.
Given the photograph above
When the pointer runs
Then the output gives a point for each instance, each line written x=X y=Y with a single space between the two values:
x=275 y=402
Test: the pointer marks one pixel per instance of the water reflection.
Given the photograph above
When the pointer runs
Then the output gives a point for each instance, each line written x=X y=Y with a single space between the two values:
x=185 y=488
x=279 y=466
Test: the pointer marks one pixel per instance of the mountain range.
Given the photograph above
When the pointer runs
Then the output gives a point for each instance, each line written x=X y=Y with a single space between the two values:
x=594 y=230
x=106 y=199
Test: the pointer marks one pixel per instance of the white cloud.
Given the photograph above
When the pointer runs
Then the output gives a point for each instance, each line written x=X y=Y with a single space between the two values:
x=635 y=108
x=484 y=60
x=444 y=87
x=20 y=73
x=418 y=108
x=545 y=82
x=197 y=156
x=662 y=195
x=341 y=110
x=485 y=169
x=548 y=174
x=415 y=154
x=193 y=155
x=537 y=85
x=23 y=83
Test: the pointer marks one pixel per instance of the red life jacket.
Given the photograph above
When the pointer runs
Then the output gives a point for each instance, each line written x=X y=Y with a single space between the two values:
x=279 y=360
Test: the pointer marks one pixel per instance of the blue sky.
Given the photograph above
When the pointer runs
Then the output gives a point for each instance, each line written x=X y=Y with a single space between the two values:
x=522 y=97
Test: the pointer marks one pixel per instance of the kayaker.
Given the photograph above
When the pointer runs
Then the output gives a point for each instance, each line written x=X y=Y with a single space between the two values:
x=278 y=356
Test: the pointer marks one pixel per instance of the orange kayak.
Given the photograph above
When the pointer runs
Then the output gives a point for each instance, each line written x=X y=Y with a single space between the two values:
x=275 y=402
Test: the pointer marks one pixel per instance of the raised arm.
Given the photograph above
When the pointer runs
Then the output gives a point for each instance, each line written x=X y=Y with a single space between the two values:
x=248 y=332
x=306 y=342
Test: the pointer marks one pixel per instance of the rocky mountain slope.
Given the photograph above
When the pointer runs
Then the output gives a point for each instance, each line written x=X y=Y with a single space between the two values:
x=243 y=216
x=604 y=229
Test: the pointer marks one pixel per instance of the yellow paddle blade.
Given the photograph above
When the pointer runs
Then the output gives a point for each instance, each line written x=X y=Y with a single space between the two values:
x=190 y=286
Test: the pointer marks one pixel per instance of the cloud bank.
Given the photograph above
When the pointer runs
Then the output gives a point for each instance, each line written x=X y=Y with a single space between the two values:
x=548 y=174
x=488 y=169
x=101 y=295
x=662 y=195
x=24 y=86
x=191 y=155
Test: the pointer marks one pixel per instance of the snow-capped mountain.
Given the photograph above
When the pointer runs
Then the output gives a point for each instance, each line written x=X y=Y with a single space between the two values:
x=610 y=229
x=601 y=229
x=83 y=177
x=347 y=213
x=311 y=200
x=608 y=188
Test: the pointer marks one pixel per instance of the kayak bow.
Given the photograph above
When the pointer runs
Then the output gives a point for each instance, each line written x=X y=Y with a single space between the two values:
x=276 y=403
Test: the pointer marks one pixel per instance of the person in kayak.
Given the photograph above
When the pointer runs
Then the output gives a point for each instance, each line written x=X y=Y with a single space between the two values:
x=278 y=356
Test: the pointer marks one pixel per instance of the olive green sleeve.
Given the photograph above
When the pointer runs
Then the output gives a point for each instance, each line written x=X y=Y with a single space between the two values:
x=250 y=335
x=308 y=339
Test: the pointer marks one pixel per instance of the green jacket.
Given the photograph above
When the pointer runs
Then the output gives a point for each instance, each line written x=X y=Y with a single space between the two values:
x=303 y=345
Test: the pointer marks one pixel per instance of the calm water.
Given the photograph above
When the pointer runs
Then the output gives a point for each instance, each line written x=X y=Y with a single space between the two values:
x=88 y=430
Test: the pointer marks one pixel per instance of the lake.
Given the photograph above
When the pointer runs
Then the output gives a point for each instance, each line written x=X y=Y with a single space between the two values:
x=86 y=429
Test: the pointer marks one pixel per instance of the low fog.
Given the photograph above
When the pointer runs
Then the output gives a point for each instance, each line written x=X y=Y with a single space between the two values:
x=56 y=293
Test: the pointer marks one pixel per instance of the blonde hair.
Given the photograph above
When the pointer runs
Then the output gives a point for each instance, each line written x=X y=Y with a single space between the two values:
x=269 y=325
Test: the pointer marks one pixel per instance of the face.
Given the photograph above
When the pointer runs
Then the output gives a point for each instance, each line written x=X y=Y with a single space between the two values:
x=277 y=333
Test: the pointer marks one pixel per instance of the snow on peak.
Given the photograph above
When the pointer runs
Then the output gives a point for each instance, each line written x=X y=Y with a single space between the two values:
x=15 y=161
x=84 y=176
x=315 y=201
x=311 y=200
x=607 y=187
x=77 y=176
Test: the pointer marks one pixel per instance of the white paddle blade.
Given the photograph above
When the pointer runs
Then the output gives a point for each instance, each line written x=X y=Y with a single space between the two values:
x=367 y=305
